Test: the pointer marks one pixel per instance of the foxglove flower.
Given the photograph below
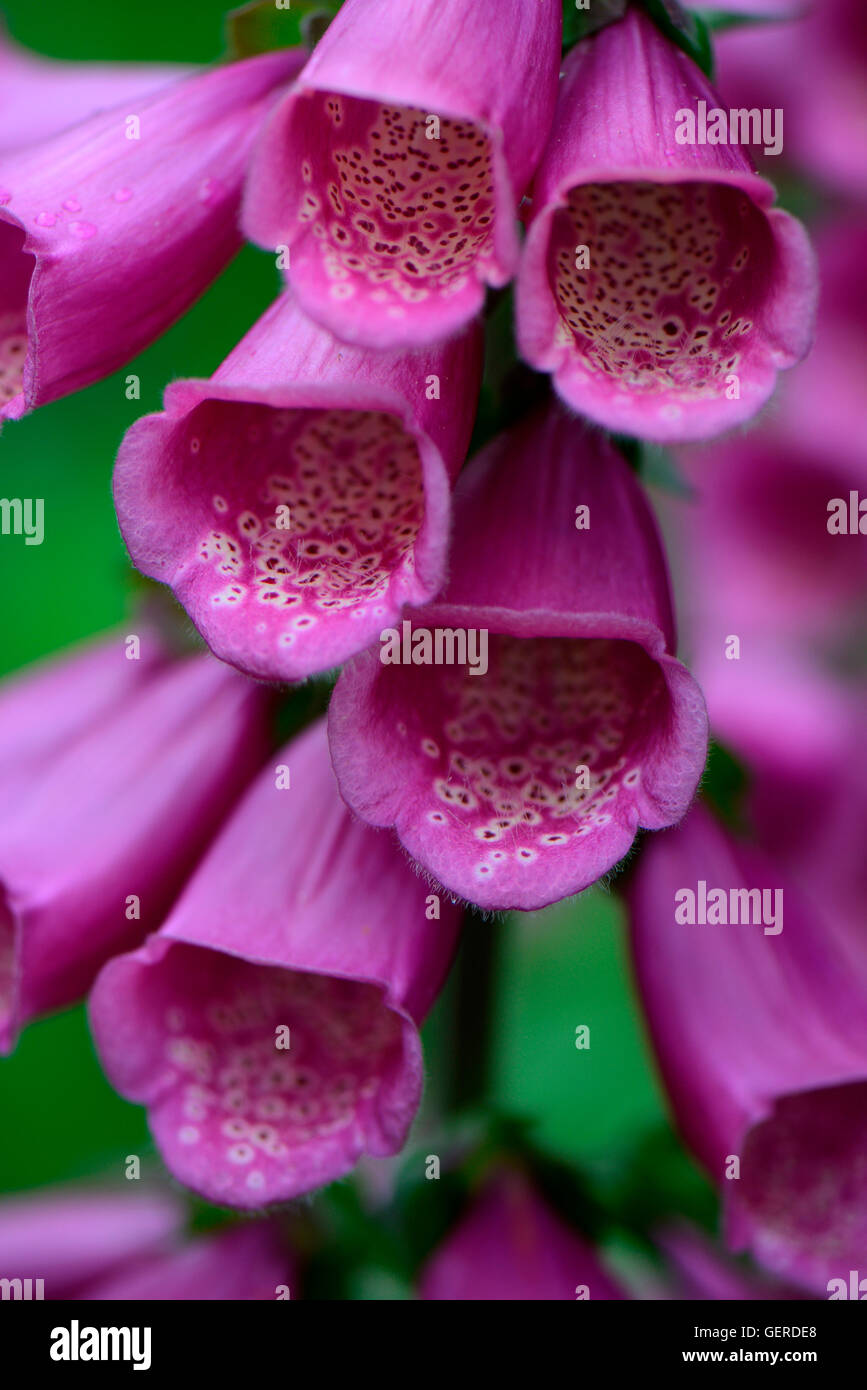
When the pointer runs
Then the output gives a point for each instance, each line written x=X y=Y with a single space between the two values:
x=510 y=1246
x=521 y=777
x=40 y=97
x=72 y=1238
x=299 y=498
x=761 y=1036
x=110 y=811
x=270 y=1027
x=111 y=230
x=239 y=1265
x=657 y=284
x=394 y=168
x=816 y=69
x=706 y=1273
x=87 y=1244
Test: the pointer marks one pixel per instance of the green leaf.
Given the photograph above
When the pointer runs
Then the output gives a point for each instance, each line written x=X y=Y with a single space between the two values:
x=725 y=785
x=687 y=30
x=260 y=27
x=653 y=464
x=718 y=20
x=580 y=24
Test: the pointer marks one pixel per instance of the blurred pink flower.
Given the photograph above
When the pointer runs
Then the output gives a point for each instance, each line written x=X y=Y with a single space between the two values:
x=111 y=230
x=657 y=283
x=523 y=778
x=104 y=811
x=300 y=497
x=705 y=1273
x=271 y=1027
x=816 y=70
x=40 y=96
x=510 y=1246
x=762 y=1043
x=91 y=1244
x=394 y=168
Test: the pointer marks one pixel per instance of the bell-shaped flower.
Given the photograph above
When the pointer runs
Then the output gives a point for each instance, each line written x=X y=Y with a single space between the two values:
x=393 y=170
x=105 y=811
x=270 y=1027
x=301 y=496
x=73 y=1237
x=111 y=230
x=757 y=1005
x=86 y=1244
x=519 y=730
x=511 y=1246
x=658 y=285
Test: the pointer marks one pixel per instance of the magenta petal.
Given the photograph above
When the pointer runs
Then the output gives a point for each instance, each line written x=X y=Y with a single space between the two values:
x=477 y=772
x=40 y=97
x=297 y=500
x=762 y=1043
x=120 y=809
x=45 y=707
x=299 y=918
x=242 y=1264
x=510 y=1246
x=816 y=70
x=395 y=225
x=692 y=280
x=69 y=1237
x=105 y=239
x=706 y=1273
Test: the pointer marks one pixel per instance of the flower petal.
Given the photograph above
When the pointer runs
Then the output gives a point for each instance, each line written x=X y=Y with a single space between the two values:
x=393 y=171
x=270 y=1027
x=297 y=500
x=656 y=284
x=110 y=231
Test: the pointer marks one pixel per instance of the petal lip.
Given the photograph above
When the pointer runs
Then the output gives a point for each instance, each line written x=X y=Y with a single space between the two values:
x=158 y=509
x=372 y=783
x=104 y=281
x=121 y=979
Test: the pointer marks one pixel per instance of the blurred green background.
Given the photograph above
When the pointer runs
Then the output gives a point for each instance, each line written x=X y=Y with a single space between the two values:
x=601 y=1108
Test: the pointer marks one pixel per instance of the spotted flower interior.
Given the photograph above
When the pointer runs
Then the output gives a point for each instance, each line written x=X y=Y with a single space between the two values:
x=497 y=757
x=243 y=1118
x=16 y=269
x=672 y=299
x=304 y=514
x=393 y=218
x=804 y=1180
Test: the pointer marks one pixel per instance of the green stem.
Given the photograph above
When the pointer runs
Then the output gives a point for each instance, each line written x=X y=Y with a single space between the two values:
x=474 y=1000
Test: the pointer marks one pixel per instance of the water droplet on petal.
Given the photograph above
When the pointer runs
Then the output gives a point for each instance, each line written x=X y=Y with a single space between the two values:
x=123 y=195
x=45 y=219
x=72 y=205
x=210 y=191
x=84 y=230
